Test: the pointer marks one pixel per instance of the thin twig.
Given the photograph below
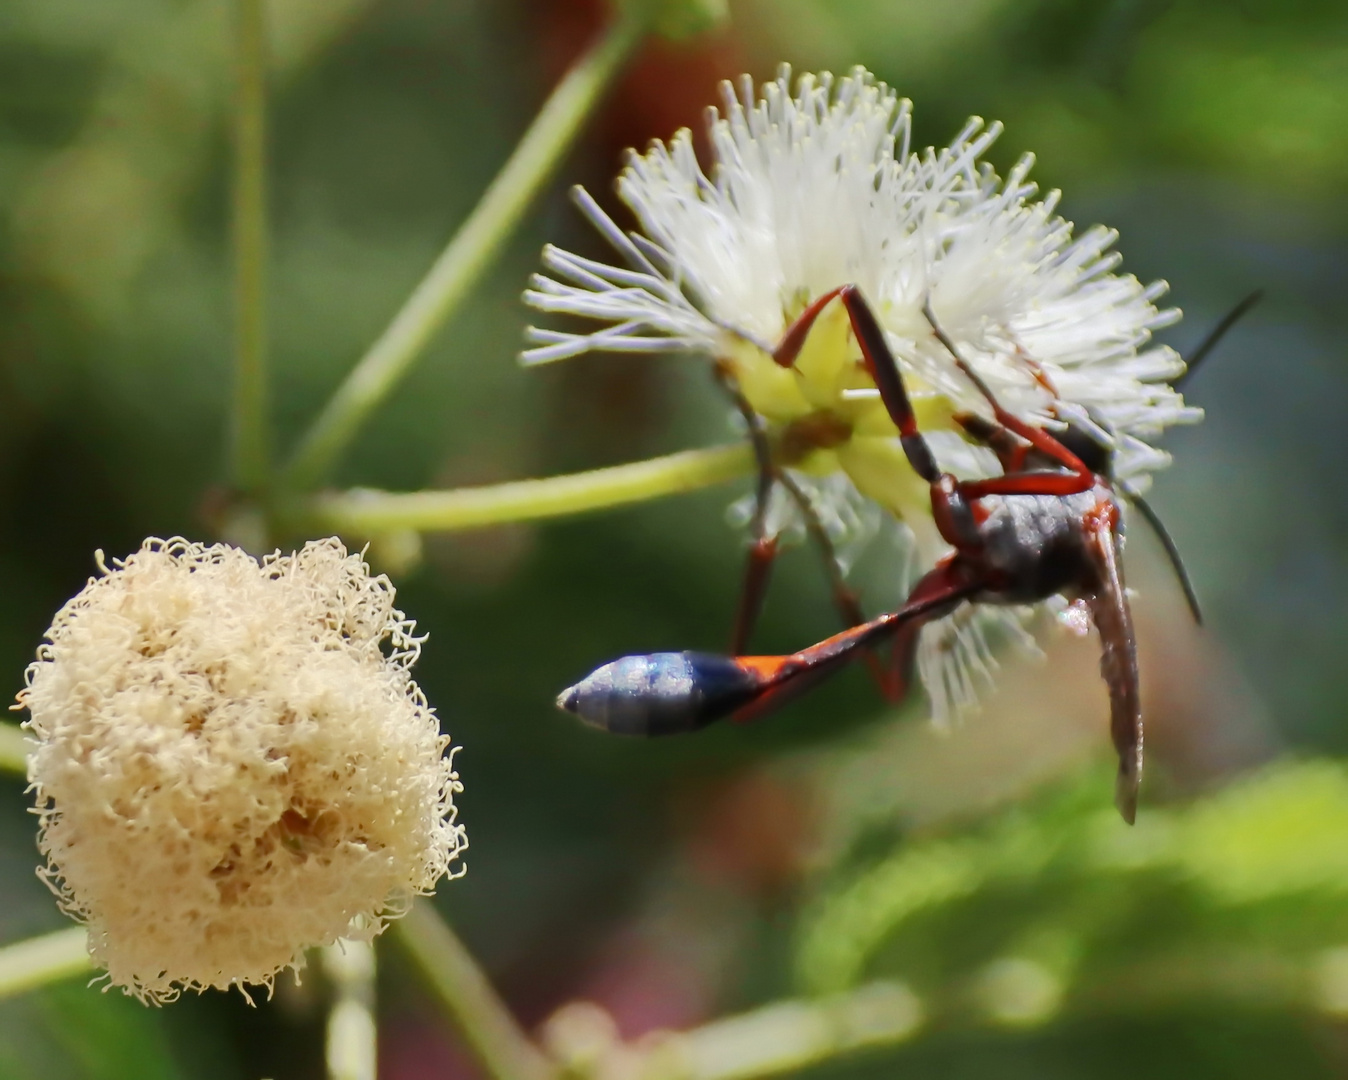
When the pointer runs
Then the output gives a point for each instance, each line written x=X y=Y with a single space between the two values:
x=787 y=1037
x=471 y=250
x=38 y=961
x=500 y=1045
x=369 y=513
x=352 y=1038
x=15 y=747
x=250 y=452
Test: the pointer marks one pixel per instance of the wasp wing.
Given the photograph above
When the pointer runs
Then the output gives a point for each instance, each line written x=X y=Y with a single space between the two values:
x=1118 y=664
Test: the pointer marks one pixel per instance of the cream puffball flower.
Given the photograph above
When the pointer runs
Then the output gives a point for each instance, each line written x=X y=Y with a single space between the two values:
x=815 y=186
x=233 y=762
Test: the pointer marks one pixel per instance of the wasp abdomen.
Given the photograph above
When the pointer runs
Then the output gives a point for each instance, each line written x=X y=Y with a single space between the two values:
x=661 y=693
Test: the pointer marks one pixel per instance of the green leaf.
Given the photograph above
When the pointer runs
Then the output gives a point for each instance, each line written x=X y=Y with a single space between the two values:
x=79 y=1032
x=1060 y=905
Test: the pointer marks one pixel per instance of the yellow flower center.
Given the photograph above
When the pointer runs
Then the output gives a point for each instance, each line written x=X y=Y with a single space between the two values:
x=820 y=430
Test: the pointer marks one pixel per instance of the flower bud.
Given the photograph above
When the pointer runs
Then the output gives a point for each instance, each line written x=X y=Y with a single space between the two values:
x=680 y=19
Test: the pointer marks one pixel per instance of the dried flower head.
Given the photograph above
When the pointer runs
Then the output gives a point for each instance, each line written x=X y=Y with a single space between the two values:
x=818 y=188
x=229 y=767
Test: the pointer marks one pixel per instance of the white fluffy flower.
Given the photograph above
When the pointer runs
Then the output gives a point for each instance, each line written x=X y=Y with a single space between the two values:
x=818 y=188
x=229 y=767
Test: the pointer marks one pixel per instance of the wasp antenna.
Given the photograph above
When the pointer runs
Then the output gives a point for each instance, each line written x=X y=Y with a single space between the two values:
x=1215 y=335
x=1171 y=551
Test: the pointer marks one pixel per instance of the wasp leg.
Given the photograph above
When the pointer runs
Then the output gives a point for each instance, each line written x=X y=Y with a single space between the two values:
x=762 y=547
x=844 y=599
x=938 y=593
x=951 y=508
x=849 y=607
x=937 y=583
x=880 y=362
x=1076 y=479
x=1011 y=451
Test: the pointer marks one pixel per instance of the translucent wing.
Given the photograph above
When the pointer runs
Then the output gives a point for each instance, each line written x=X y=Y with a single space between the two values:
x=1118 y=664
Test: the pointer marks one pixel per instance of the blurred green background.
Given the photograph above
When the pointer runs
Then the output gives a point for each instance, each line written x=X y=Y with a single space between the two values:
x=681 y=880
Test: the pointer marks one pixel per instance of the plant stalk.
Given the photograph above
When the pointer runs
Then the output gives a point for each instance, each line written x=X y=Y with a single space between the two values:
x=15 y=747
x=38 y=961
x=472 y=249
x=369 y=513
x=785 y=1038
x=501 y=1046
x=352 y=1037
x=250 y=450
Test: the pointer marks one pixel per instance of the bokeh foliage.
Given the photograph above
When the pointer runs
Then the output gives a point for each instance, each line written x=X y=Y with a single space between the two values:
x=1240 y=893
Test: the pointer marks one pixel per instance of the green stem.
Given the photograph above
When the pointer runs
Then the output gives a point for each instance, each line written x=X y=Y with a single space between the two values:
x=15 y=747
x=42 y=960
x=462 y=263
x=789 y=1037
x=501 y=1046
x=352 y=1038
x=786 y=1037
x=249 y=450
x=369 y=513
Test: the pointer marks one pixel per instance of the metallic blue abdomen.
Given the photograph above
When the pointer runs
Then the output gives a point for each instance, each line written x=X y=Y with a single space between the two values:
x=660 y=693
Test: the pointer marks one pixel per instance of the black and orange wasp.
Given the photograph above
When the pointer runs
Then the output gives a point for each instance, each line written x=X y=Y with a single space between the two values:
x=1050 y=525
